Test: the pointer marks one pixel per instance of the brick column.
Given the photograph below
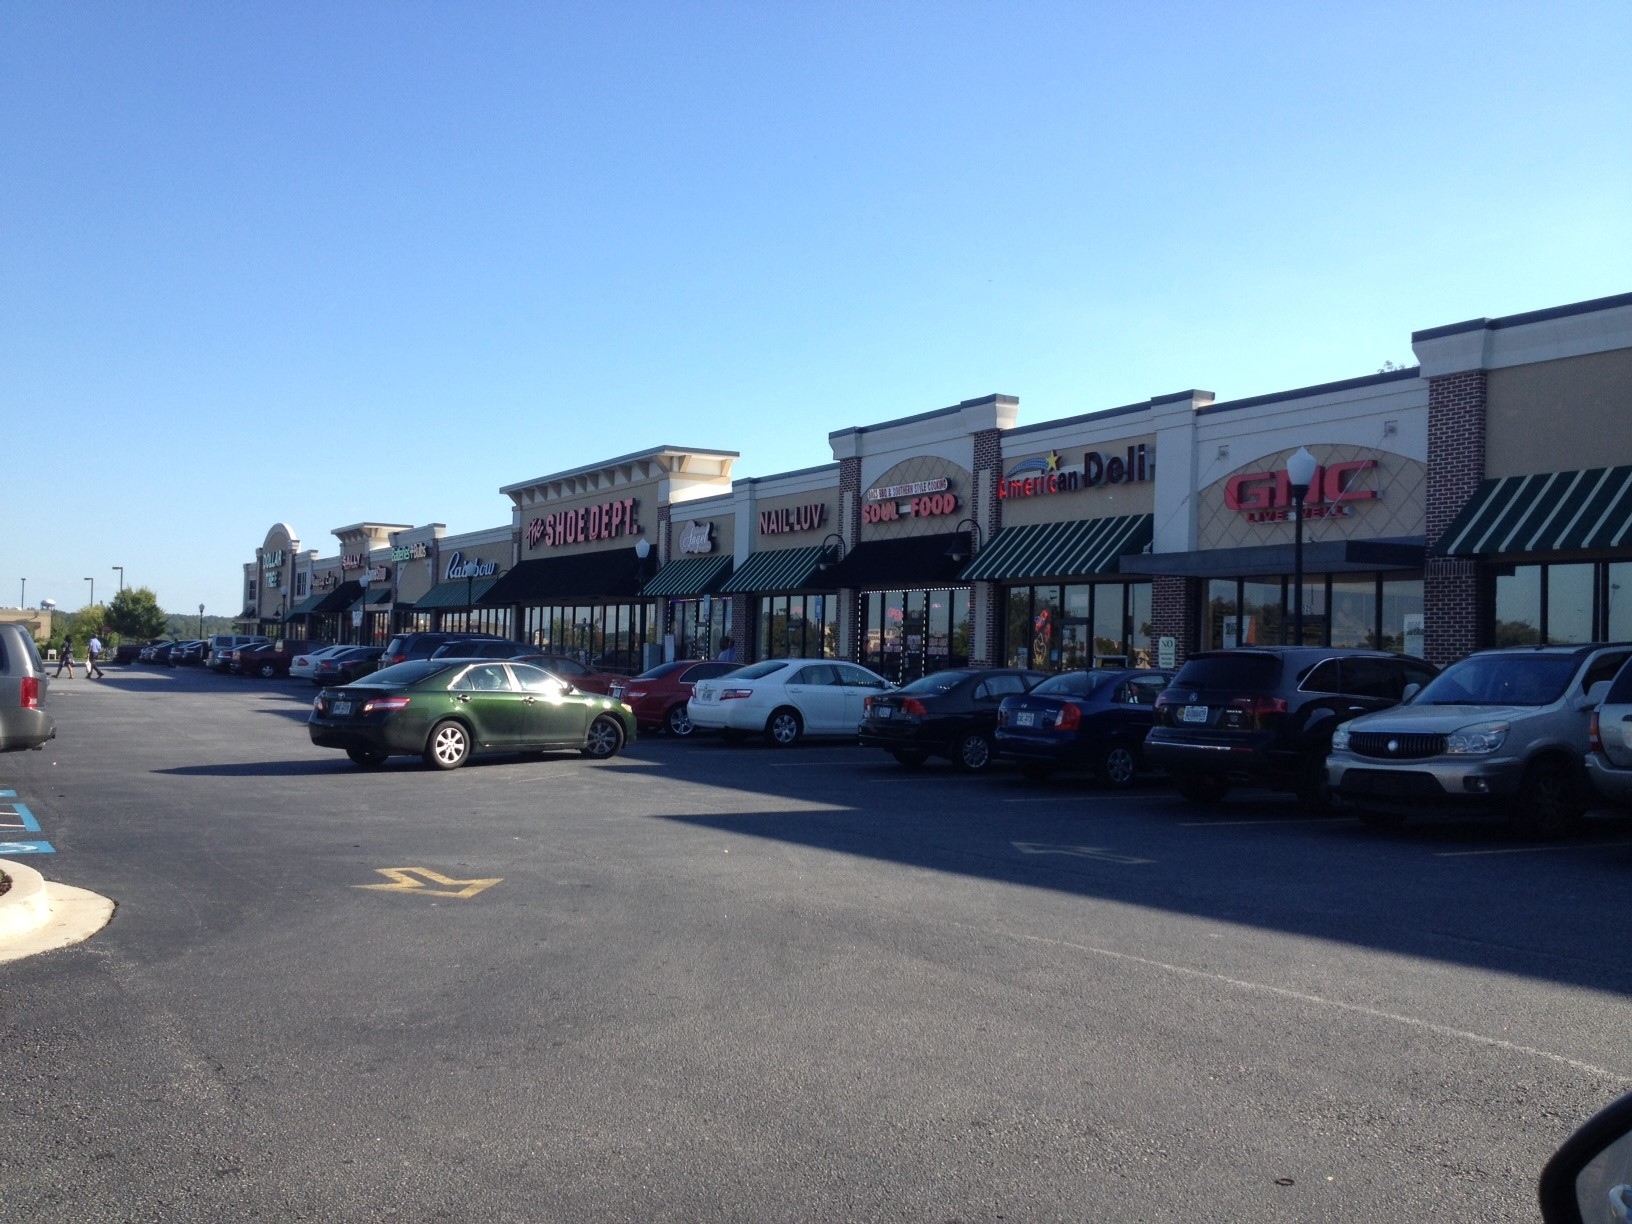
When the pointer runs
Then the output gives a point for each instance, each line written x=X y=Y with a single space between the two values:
x=986 y=508
x=849 y=526
x=1452 y=607
x=1175 y=611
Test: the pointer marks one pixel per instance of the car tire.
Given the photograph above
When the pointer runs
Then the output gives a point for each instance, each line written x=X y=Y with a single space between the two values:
x=1118 y=767
x=678 y=723
x=1036 y=771
x=366 y=758
x=1549 y=804
x=1201 y=788
x=784 y=727
x=448 y=746
x=972 y=753
x=604 y=738
x=910 y=758
x=268 y=671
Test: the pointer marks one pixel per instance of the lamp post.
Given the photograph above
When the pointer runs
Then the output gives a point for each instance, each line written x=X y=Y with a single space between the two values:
x=201 y=621
x=22 y=596
x=92 y=581
x=121 y=570
x=1300 y=470
x=960 y=550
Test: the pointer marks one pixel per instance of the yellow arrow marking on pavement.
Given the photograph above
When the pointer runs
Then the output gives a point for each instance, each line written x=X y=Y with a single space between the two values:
x=402 y=880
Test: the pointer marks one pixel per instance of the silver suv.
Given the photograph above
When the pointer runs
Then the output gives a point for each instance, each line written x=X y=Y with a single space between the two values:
x=1501 y=729
x=23 y=684
x=1609 y=742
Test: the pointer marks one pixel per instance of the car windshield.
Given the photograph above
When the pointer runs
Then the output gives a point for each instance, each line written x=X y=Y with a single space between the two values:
x=1071 y=684
x=937 y=682
x=759 y=670
x=661 y=670
x=402 y=674
x=1525 y=680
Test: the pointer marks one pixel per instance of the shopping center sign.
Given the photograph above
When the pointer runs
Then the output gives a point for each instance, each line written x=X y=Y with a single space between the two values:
x=1266 y=497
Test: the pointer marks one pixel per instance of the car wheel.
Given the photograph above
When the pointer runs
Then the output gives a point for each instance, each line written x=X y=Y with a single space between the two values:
x=1117 y=767
x=448 y=746
x=911 y=758
x=679 y=722
x=973 y=753
x=784 y=728
x=366 y=758
x=604 y=738
x=268 y=671
x=1201 y=788
x=1036 y=771
x=1549 y=802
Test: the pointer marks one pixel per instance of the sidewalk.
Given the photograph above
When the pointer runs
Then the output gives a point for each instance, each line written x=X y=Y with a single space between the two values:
x=37 y=915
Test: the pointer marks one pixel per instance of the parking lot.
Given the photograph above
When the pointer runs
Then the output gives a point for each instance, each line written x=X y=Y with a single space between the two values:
x=739 y=982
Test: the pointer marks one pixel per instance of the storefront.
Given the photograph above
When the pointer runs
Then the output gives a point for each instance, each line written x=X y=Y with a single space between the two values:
x=698 y=558
x=465 y=568
x=789 y=605
x=413 y=560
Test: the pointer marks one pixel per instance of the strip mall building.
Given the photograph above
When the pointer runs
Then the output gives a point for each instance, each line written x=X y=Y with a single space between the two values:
x=1484 y=497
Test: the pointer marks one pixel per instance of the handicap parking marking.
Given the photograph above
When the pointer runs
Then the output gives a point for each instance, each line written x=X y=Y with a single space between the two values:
x=26 y=847
x=15 y=815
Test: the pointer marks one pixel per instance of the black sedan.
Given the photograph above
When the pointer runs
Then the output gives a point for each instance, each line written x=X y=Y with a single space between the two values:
x=1093 y=720
x=446 y=709
x=947 y=714
x=347 y=665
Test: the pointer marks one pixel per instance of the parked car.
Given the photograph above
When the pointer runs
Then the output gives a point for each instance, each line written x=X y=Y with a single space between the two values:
x=219 y=656
x=187 y=653
x=1502 y=730
x=159 y=653
x=130 y=652
x=266 y=659
x=304 y=664
x=447 y=709
x=1095 y=720
x=406 y=646
x=659 y=696
x=24 y=722
x=1609 y=741
x=1265 y=715
x=950 y=714
x=350 y=664
x=785 y=699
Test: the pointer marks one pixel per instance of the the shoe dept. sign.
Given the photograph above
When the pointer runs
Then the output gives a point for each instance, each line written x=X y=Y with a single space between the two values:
x=458 y=567
x=919 y=499
x=1266 y=497
x=1043 y=475
x=601 y=521
x=789 y=519
x=697 y=538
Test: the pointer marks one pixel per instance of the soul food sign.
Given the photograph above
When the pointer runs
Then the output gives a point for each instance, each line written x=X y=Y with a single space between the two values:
x=920 y=499
x=1266 y=497
x=602 y=521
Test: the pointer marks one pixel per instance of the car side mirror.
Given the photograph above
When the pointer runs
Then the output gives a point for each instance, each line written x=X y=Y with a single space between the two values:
x=1589 y=1178
x=1411 y=690
x=1594 y=696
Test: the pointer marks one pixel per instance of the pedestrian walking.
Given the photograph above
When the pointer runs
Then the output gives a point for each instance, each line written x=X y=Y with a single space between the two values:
x=66 y=658
x=93 y=652
x=728 y=650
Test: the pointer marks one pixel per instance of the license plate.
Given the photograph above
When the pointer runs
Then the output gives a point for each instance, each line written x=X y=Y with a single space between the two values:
x=883 y=712
x=342 y=707
x=1025 y=718
x=617 y=691
x=1193 y=714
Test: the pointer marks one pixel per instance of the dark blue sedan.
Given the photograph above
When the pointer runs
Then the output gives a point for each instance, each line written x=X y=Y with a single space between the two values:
x=1092 y=720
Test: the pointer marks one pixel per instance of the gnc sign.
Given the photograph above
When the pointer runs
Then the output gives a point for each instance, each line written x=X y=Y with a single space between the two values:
x=1266 y=497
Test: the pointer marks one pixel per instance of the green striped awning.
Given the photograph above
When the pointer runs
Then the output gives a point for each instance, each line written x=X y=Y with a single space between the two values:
x=1544 y=513
x=1060 y=550
x=782 y=569
x=689 y=576
x=454 y=593
x=307 y=606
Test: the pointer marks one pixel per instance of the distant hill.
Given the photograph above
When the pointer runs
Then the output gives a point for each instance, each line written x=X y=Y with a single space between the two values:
x=180 y=625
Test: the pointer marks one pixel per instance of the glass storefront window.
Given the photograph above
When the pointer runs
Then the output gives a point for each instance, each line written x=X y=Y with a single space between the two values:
x=1518 y=607
x=1017 y=624
x=1618 y=595
x=698 y=625
x=1057 y=628
x=907 y=634
x=1109 y=638
x=1354 y=613
x=1076 y=625
x=1402 y=617
x=1569 y=603
x=1261 y=615
x=1222 y=613
x=796 y=626
x=1139 y=641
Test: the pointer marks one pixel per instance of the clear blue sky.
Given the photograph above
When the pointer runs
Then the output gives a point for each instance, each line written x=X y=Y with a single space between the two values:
x=326 y=262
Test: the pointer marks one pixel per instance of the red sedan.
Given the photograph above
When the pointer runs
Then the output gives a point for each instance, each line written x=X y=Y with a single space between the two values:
x=658 y=697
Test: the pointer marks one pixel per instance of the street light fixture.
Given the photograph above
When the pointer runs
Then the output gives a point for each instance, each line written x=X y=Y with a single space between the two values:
x=201 y=622
x=22 y=597
x=1300 y=471
x=92 y=581
x=121 y=570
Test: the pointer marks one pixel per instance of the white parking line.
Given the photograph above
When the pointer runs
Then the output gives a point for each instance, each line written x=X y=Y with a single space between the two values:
x=1224 y=824
x=1530 y=849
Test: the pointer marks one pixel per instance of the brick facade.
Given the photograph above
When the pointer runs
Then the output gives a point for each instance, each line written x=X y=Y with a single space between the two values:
x=986 y=600
x=1452 y=604
x=1175 y=611
x=849 y=527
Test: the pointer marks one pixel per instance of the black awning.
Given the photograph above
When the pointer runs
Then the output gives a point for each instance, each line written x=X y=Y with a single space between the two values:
x=305 y=607
x=904 y=564
x=1321 y=557
x=339 y=599
x=1549 y=512
x=612 y=574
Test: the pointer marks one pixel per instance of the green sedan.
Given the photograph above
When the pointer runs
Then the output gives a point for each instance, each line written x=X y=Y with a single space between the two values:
x=446 y=709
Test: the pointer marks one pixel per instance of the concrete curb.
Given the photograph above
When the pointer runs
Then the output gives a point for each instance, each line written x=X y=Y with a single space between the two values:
x=37 y=915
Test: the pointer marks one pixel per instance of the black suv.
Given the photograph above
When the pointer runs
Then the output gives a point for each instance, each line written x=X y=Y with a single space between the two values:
x=407 y=646
x=1265 y=715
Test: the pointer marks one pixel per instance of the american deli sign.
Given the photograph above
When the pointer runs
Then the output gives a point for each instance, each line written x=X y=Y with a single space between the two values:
x=1266 y=497
x=921 y=499
x=1039 y=477
x=602 y=521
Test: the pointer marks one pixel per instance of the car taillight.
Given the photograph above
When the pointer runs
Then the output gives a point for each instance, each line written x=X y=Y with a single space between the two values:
x=1070 y=717
x=398 y=658
x=913 y=706
x=31 y=693
x=1595 y=741
x=375 y=704
x=728 y=694
x=1258 y=707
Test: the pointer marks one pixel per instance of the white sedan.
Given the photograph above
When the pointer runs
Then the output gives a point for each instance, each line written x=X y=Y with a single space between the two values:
x=303 y=666
x=785 y=699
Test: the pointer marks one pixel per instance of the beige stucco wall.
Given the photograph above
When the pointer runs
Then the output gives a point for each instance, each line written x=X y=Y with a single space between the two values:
x=645 y=495
x=1559 y=416
x=788 y=508
x=1100 y=501
x=1399 y=509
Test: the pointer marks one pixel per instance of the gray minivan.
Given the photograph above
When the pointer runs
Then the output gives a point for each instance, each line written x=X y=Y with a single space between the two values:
x=23 y=684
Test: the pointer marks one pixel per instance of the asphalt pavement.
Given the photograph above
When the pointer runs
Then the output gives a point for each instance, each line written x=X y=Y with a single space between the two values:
x=721 y=982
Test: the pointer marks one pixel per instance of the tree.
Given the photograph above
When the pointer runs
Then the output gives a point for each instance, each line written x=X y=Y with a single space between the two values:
x=135 y=613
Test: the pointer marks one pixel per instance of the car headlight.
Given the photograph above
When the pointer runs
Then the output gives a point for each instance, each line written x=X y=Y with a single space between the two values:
x=1478 y=739
x=1340 y=740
